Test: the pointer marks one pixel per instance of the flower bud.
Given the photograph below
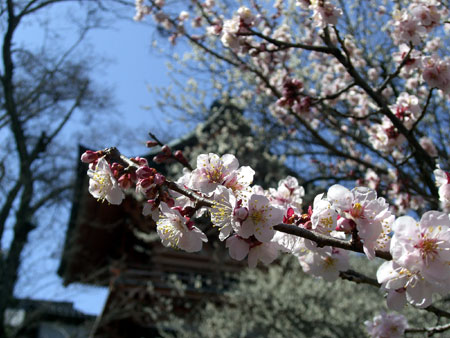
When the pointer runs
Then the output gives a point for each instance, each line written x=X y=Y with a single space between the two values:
x=161 y=158
x=240 y=214
x=151 y=144
x=125 y=181
x=140 y=160
x=146 y=183
x=159 y=178
x=180 y=157
x=145 y=172
x=89 y=156
x=346 y=225
x=116 y=166
x=166 y=150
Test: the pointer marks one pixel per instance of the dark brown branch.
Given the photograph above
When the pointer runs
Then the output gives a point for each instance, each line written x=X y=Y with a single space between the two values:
x=358 y=278
x=335 y=95
x=323 y=240
x=397 y=71
x=283 y=44
x=424 y=110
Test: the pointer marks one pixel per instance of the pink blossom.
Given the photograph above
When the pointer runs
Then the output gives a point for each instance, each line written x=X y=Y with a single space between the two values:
x=324 y=217
x=222 y=212
x=361 y=206
x=324 y=13
x=428 y=16
x=213 y=170
x=179 y=232
x=152 y=209
x=103 y=185
x=427 y=144
x=239 y=248
x=423 y=246
x=405 y=285
x=407 y=29
x=436 y=72
x=289 y=193
x=261 y=218
x=387 y=326
x=324 y=262
x=89 y=156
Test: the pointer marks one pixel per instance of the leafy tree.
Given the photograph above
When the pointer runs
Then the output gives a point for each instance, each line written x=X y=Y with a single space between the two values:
x=281 y=301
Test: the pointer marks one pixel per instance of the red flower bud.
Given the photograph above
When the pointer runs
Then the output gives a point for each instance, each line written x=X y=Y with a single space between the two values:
x=160 y=158
x=151 y=144
x=166 y=150
x=145 y=172
x=180 y=157
x=125 y=181
x=141 y=161
x=89 y=156
x=159 y=179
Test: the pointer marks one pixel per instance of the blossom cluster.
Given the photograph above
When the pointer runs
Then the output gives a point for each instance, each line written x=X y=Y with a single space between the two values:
x=377 y=107
x=246 y=215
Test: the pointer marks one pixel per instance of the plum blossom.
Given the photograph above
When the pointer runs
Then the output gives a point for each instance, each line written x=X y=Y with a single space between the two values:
x=428 y=16
x=240 y=247
x=324 y=12
x=364 y=210
x=103 y=185
x=387 y=325
x=406 y=109
x=443 y=182
x=404 y=286
x=436 y=72
x=407 y=29
x=324 y=262
x=151 y=208
x=427 y=144
x=423 y=246
x=324 y=217
x=179 y=232
x=289 y=243
x=213 y=171
x=141 y=10
x=385 y=137
x=262 y=216
x=227 y=212
x=413 y=61
x=238 y=24
x=289 y=193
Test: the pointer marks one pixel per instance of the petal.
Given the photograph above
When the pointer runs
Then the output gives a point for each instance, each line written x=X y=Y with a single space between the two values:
x=340 y=197
x=238 y=248
x=230 y=163
x=434 y=219
x=396 y=299
x=264 y=234
x=115 y=195
x=420 y=294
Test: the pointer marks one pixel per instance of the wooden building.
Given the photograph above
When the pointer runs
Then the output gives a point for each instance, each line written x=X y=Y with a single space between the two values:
x=116 y=246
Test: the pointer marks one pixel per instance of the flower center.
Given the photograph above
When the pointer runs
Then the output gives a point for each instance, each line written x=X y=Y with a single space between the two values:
x=328 y=262
x=257 y=216
x=215 y=174
x=104 y=184
x=357 y=211
x=428 y=248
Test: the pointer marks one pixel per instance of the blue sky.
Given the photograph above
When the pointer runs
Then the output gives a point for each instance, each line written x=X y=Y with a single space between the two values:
x=131 y=66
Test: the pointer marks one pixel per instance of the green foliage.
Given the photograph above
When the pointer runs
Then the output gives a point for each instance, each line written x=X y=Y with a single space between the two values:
x=282 y=301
